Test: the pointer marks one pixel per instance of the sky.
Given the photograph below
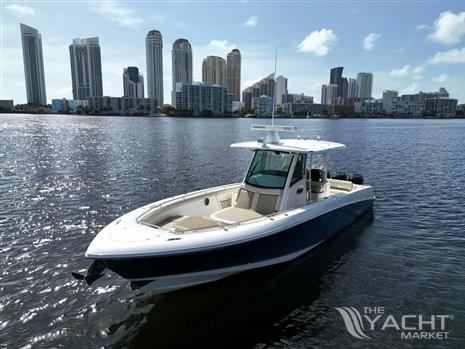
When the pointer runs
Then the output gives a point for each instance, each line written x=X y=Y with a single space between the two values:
x=409 y=46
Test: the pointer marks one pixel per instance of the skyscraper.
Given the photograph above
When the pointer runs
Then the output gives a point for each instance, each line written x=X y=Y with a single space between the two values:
x=281 y=89
x=181 y=65
x=33 y=65
x=154 y=58
x=352 y=88
x=335 y=78
x=364 y=85
x=234 y=73
x=86 y=68
x=329 y=94
x=214 y=70
x=133 y=83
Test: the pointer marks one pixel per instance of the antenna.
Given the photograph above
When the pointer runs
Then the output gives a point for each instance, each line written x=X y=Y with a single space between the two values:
x=274 y=87
x=306 y=128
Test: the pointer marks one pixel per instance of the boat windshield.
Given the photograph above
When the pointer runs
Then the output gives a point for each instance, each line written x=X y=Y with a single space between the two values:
x=269 y=169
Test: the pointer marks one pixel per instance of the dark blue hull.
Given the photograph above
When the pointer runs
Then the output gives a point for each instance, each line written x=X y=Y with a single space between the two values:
x=279 y=245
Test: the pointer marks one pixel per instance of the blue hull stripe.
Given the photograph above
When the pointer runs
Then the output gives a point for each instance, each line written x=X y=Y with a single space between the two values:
x=277 y=245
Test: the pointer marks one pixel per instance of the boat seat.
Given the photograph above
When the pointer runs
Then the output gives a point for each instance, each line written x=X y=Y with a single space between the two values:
x=235 y=214
x=180 y=224
x=341 y=185
x=266 y=204
x=244 y=198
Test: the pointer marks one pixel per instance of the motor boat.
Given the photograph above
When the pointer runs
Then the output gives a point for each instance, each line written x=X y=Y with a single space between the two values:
x=287 y=205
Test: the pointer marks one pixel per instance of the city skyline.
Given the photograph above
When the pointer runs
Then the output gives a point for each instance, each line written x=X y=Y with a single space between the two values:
x=425 y=52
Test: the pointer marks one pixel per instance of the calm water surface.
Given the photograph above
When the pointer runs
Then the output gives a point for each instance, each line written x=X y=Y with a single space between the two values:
x=63 y=178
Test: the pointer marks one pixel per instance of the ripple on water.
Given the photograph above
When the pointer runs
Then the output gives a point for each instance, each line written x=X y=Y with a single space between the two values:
x=63 y=178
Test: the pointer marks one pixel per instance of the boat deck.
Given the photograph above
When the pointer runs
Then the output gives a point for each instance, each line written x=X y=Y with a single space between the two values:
x=181 y=224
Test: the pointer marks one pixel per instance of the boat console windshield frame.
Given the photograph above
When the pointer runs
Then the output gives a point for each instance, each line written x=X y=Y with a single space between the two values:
x=269 y=169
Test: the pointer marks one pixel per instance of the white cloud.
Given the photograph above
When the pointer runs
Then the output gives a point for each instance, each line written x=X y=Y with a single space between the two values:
x=440 y=78
x=422 y=26
x=251 y=22
x=21 y=10
x=119 y=13
x=404 y=71
x=318 y=42
x=370 y=40
x=449 y=28
x=220 y=47
x=408 y=70
x=413 y=88
x=453 y=56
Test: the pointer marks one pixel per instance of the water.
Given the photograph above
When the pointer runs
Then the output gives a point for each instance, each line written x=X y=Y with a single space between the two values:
x=63 y=178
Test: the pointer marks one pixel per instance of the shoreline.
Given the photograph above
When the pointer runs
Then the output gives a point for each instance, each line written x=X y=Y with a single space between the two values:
x=303 y=117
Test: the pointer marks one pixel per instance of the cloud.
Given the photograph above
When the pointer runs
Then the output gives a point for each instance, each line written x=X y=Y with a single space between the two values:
x=119 y=13
x=318 y=42
x=21 y=10
x=440 y=78
x=411 y=89
x=220 y=47
x=251 y=22
x=370 y=40
x=454 y=56
x=408 y=70
x=448 y=28
x=422 y=26
x=404 y=71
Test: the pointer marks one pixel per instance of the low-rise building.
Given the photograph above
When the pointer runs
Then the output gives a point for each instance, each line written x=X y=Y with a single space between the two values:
x=296 y=98
x=399 y=107
x=441 y=107
x=68 y=105
x=236 y=105
x=6 y=104
x=370 y=107
x=262 y=106
x=199 y=97
x=294 y=109
x=122 y=104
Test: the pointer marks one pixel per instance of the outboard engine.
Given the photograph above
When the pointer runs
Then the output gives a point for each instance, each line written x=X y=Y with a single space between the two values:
x=340 y=175
x=356 y=178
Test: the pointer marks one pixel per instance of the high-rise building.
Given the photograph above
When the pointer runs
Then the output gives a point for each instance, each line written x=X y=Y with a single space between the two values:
x=281 y=89
x=86 y=68
x=351 y=88
x=247 y=96
x=33 y=65
x=214 y=71
x=388 y=95
x=154 y=60
x=265 y=87
x=335 y=78
x=199 y=97
x=181 y=65
x=234 y=73
x=364 y=85
x=343 y=88
x=133 y=83
x=329 y=94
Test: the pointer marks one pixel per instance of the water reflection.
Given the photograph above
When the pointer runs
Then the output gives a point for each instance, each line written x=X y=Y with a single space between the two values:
x=242 y=310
